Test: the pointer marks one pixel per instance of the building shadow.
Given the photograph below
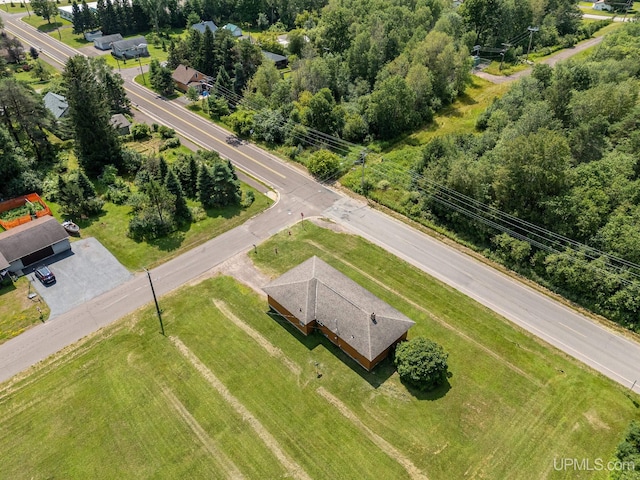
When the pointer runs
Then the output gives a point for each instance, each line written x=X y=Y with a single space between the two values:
x=28 y=270
x=376 y=377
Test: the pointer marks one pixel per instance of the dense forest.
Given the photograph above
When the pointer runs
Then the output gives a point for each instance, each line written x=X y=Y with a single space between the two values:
x=557 y=168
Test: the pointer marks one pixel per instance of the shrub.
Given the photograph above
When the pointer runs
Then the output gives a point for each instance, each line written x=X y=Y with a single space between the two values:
x=198 y=213
x=108 y=176
x=118 y=192
x=171 y=143
x=140 y=131
x=324 y=165
x=131 y=160
x=421 y=363
x=166 y=132
x=149 y=228
x=383 y=185
x=248 y=198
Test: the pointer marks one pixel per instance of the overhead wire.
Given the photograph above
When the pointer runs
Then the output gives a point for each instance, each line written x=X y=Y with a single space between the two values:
x=535 y=235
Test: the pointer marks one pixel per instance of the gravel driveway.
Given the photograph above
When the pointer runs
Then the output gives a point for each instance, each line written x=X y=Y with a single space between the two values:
x=82 y=274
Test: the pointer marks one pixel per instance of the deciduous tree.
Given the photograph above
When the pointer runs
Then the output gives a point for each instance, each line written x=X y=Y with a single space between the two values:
x=421 y=363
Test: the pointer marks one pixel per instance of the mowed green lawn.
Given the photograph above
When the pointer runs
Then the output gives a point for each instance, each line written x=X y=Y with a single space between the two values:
x=232 y=390
x=111 y=226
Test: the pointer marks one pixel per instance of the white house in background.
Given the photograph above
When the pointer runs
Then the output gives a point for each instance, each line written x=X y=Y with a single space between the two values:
x=600 y=5
x=66 y=11
x=104 y=42
x=130 y=48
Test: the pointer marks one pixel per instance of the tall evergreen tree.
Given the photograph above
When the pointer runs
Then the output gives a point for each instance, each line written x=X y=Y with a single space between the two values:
x=225 y=51
x=206 y=187
x=193 y=49
x=129 y=18
x=172 y=58
x=182 y=213
x=112 y=19
x=207 y=55
x=96 y=142
x=101 y=14
x=239 y=78
x=226 y=190
x=89 y=17
x=223 y=83
x=119 y=17
x=163 y=168
x=88 y=190
x=23 y=113
x=193 y=178
x=112 y=85
x=78 y=19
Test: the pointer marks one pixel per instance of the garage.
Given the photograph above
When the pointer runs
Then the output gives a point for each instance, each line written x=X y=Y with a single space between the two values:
x=37 y=256
x=33 y=242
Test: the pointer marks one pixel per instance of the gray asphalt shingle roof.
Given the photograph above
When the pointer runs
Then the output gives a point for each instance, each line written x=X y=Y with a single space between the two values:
x=314 y=290
x=30 y=237
x=56 y=104
x=202 y=26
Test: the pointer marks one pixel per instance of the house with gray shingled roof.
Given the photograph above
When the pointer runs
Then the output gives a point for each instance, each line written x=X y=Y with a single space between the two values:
x=32 y=242
x=56 y=104
x=315 y=296
x=202 y=26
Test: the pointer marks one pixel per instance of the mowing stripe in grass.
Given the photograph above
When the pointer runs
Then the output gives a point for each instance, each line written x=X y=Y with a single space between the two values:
x=229 y=467
x=431 y=315
x=269 y=440
x=386 y=447
x=262 y=341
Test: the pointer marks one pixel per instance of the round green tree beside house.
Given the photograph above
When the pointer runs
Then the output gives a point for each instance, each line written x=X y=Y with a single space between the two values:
x=421 y=363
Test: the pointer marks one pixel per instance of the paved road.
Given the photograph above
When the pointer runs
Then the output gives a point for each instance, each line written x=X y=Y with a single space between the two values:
x=601 y=348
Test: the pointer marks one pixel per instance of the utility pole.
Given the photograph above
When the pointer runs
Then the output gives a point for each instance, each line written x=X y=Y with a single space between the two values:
x=155 y=300
x=363 y=156
x=506 y=46
x=532 y=30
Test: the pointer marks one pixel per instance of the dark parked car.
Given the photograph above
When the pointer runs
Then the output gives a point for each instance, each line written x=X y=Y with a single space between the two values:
x=45 y=275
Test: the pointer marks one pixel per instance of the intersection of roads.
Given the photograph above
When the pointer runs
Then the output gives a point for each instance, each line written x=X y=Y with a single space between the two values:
x=603 y=349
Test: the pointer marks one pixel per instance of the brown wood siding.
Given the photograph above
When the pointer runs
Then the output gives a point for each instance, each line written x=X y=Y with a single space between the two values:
x=292 y=319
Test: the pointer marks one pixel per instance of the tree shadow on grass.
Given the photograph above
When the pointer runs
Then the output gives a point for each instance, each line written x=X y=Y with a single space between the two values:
x=85 y=222
x=224 y=212
x=375 y=378
x=434 y=394
x=171 y=242
x=49 y=27
x=6 y=286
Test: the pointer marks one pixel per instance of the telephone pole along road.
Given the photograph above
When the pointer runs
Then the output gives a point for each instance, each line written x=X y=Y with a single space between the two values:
x=601 y=348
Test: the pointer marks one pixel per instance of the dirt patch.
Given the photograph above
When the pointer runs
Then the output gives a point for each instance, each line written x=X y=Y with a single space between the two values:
x=262 y=341
x=228 y=466
x=386 y=447
x=329 y=225
x=272 y=444
x=242 y=269
x=438 y=319
x=595 y=421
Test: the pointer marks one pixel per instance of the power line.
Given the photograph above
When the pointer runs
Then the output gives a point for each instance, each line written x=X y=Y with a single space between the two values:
x=535 y=235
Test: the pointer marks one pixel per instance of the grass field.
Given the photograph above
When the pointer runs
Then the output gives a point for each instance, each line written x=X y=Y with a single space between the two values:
x=233 y=392
x=110 y=228
x=17 y=311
